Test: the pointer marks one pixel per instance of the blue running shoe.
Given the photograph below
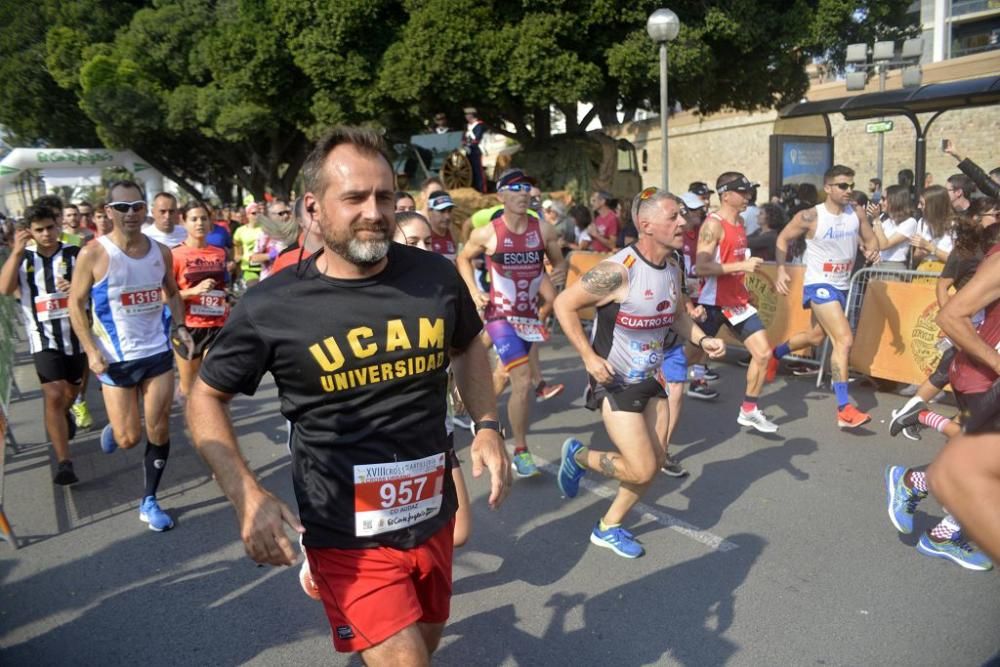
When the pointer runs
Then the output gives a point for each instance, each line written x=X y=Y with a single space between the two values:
x=108 y=443
x=150 y=512
x=901 y=499
x=570 y=472
x=524 y=464
x=956 y=550
x=618 y=540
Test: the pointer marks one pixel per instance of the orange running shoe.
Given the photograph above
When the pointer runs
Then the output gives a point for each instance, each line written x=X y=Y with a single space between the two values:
x=772 y=370
x=851 y=417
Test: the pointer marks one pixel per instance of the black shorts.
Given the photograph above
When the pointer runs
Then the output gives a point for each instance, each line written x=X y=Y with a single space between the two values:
x=939 y=378
x=53 y=366
x=716 y=319
x=980 y=412
x=624 y=397
x=203 y=338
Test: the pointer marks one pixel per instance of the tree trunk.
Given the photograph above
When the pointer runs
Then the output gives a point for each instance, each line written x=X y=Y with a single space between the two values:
x=542 y=123
x=569 y=113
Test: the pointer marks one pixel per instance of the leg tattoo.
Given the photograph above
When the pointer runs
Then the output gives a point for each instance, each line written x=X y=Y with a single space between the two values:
x=608 y=465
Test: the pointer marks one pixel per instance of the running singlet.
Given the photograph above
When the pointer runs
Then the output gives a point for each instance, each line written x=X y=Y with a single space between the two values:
x=44 y=308
x=727 y=289
x=363 y=384
x=193 y=265
x=966 y=374
x=516 y=268
x=246 y=238
x=444 y=245
x=631 y=334
x=128 y=305
x=830 y=253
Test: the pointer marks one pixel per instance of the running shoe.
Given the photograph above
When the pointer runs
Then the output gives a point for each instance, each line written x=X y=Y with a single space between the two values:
x=570 y=472
x=701 y=391
x=957 y=550
x=744 y=361
x=64 y=474
x=710 y=375
x=307 y=582
x=545 y=391
x=772 y=370
x=802 y=370
x=524 y=464
x=81 y=413
x=901 y=499
x=150 y=512
x=907 y=423
x=70 y=425
x=851 y=417
x=673 y=469
x=618 y=540
x=757 y=420
x=108 y=444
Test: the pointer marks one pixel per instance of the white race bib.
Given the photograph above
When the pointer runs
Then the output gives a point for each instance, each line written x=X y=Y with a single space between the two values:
x=209 y=304
x=391 y=496
x=140 y=300
x=737 y=314
x=529 y=329
x=54 y=306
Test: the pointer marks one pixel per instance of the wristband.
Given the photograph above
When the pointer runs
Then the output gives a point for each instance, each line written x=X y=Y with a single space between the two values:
x=491 y=424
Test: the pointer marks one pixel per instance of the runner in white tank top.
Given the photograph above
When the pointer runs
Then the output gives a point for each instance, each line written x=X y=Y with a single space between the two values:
x=833 y=231
x=127 y=275
x=638 y=299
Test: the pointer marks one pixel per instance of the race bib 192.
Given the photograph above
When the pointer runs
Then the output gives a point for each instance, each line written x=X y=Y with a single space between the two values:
x=391 y=496
x=209 y=304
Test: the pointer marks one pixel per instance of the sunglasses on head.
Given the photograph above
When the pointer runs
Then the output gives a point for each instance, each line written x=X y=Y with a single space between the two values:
x=126 y=206
x=843 y=186
x=517 y=187
x=648 y=192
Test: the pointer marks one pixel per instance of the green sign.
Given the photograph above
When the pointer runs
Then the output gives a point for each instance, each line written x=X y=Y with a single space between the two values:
x=878 y=127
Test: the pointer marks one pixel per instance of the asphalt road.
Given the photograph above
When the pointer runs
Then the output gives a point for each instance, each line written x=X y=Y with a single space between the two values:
x=775 y=551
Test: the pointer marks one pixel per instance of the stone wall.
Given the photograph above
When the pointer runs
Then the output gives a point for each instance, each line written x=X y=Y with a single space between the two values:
x=702 y=147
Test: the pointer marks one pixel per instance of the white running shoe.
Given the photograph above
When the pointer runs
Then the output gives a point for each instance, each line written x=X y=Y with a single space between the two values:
x=757 y=420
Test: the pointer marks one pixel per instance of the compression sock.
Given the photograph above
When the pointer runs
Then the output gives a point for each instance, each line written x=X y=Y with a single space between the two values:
x=840 y=389
x=155 y=460
x=749 y=404
x=781 y=351
x=944 y=530
x=916 y=480
x=934 y=420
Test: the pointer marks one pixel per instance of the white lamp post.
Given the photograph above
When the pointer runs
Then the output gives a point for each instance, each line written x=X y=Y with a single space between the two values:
x=662 y=27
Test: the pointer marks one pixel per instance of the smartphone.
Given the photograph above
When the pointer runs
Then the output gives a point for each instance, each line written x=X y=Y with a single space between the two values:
x=944 y=144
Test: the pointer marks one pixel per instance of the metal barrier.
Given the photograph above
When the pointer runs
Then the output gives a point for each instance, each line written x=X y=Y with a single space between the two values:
x=8 y=336
x=859 y=285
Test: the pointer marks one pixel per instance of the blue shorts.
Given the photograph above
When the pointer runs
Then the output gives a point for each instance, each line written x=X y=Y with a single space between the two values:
x=823 y=293
x=675 y=364
x=132 y=373
x=715 y=320
x=513 y=351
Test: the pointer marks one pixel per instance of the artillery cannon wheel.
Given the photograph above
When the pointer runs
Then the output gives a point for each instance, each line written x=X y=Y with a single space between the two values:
x=456 y=171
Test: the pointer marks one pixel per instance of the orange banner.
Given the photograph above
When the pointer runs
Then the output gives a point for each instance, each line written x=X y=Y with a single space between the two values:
x=782 y=315
x=897 y=337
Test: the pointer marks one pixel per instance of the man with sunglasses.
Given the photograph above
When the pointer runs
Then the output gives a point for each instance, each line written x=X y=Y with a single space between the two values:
x=832 y=230
x=126 y=276
x=723 y=259
x=515 y=244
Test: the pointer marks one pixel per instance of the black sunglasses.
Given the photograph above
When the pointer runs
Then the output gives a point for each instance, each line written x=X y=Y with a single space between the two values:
x=126 y=206
x=843 y=186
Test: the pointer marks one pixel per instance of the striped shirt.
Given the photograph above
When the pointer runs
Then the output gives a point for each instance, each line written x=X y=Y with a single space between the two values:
x=45 y=308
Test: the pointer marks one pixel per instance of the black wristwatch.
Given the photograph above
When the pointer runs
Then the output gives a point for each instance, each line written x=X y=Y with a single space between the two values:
x=488 y=424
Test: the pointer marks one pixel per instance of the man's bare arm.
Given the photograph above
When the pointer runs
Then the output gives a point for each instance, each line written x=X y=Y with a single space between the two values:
x=955 y=319
x=803 y=222
x=708 y=241
x=599 y=286
x=553 y=250
x=79 y=296
x=474 y=247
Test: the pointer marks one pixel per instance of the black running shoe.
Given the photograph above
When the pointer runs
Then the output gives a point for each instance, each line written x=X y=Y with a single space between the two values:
x=64 y=474
x=909 y=420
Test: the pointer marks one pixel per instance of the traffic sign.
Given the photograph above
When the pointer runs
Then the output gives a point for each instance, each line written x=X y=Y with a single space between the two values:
x=878 y=126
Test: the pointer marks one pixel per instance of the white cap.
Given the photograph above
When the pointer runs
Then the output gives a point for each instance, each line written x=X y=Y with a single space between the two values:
x=692 y=201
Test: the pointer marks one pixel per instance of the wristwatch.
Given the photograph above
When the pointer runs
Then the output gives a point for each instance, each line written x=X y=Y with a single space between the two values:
x=488 y=424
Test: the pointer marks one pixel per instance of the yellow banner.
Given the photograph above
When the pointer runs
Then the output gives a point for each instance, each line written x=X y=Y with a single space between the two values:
x=783 y=315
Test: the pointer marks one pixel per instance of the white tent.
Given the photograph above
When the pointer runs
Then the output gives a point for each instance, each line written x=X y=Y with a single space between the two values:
x=77 y=166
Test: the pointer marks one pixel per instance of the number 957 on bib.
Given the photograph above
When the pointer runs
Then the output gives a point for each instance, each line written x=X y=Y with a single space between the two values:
x=399 y=494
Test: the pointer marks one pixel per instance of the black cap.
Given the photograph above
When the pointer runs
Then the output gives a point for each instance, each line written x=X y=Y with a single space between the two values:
x=700 y=188
x=741 y=184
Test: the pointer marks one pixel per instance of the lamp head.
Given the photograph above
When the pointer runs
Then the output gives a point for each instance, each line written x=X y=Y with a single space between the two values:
x=663 y=26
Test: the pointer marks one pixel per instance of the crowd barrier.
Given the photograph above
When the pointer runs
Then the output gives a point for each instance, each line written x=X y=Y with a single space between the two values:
x=891 y=312
x=8 y=336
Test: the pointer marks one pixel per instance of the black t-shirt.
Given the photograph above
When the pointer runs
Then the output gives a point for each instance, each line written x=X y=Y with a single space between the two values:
x=960 y=267
x=360 y=370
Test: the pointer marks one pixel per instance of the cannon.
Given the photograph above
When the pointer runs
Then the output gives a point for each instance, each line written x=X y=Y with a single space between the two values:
x=428 y=155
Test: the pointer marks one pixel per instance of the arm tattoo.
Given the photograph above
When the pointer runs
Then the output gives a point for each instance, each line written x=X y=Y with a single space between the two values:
x=608 y=464
x=602 y=281
x=706 y=235
x=809 y=215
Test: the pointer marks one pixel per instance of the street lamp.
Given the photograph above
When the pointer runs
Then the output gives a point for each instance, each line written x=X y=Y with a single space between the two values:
x=662 y=27
x=884 y=56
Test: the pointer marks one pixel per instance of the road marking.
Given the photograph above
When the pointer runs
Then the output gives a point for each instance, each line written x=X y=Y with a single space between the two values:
x=710 y=540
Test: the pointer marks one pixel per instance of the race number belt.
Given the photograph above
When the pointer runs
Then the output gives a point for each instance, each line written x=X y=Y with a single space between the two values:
x=737 y=314
x=139 y=300
x=529 y=329
x=209 y=304
x=391 y=496
x=54 y=306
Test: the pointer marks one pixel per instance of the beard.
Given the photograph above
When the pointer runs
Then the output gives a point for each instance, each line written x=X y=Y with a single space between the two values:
x=356 y=251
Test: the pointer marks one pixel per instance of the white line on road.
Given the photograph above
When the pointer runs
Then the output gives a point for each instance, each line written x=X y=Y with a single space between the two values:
x=710 y=540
